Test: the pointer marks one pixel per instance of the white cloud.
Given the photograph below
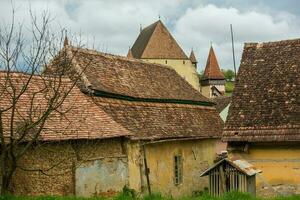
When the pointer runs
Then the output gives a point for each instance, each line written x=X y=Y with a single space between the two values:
x=198 y=26
x=114 y=25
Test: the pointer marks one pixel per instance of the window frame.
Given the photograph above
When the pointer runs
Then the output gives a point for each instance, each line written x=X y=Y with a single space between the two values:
x=178 y=169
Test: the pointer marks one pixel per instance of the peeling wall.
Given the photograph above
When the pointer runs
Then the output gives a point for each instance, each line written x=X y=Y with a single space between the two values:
x=103 y=177
x=58 y=162
x=197 y=156
x=280 y=165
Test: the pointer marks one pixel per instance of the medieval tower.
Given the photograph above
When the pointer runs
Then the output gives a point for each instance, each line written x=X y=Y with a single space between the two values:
x=213 y=81
x=156 y=44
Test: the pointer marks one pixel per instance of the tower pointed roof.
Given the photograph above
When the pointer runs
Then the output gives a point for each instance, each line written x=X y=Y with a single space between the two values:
x=155 y=41
x=129 y=54
x=193 y=57
x=212 y=69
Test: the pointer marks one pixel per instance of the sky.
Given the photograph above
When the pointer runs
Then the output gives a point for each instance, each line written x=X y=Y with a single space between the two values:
x=112 y=26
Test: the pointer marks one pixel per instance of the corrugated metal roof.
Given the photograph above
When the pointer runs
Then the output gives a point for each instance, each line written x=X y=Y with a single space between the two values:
x=241 y=165
x=245 y=167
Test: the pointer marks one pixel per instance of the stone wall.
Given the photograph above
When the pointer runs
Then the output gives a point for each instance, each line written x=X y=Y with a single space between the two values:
x=49 y=168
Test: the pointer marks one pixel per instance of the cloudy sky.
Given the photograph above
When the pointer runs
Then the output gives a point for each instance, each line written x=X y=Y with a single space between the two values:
x=113 y=25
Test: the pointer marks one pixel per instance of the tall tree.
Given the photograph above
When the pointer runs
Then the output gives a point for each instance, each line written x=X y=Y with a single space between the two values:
x=28 y=99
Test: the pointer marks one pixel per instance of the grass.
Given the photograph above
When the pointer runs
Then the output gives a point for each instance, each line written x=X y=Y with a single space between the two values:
x=229 y=86
x=130 y=196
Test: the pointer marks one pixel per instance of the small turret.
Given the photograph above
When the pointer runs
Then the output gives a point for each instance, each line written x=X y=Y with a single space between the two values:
x=193 y=59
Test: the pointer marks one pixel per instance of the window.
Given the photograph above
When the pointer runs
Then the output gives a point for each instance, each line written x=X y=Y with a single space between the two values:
x=183 y=62
x=177 y=169
x=166 y=62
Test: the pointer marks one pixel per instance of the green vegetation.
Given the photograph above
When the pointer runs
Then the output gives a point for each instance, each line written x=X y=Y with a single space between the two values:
x=229 y=74
x=229 y=86
x=131 y=196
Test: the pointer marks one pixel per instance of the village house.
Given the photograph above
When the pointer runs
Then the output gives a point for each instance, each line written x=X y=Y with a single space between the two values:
x=263 y=124
x=213 y=81
x=155 y=44
x=136 y=123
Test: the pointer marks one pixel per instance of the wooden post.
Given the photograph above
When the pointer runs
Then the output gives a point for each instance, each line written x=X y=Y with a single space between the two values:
x=222 y=180
x=146 y=170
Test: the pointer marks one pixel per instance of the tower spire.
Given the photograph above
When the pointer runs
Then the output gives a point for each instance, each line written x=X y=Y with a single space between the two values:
x=141 y=28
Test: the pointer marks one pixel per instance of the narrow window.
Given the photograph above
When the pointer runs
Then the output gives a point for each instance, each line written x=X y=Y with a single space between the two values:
x=166 y=62
x=183 y=62
x=177 y=169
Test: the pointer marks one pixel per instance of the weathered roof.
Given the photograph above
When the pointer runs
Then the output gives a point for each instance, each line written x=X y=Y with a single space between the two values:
x=241 y=165
x=193 y=57
x=221 y=102
x=155 y=41
x=151 y=101
x=265 y=103
x=212 y=69
x=82 y=119
x=153 y=121
x=132 y=78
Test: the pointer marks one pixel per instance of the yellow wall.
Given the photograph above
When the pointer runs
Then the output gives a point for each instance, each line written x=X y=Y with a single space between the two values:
x=280 y=165
x=197 y=156
x=206 y=90
x=187 y=70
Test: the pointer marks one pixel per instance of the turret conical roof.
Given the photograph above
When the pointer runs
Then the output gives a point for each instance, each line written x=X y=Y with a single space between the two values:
x=212 y=69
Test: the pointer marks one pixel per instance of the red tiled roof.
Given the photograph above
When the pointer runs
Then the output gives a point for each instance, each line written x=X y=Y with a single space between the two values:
x=83 y=119
x=265 y=103
x=157 y=103
x=155 y=41
x=221 y=102
x=212 y=69
x=132 y=78
x=193 y=57
x=153 y=121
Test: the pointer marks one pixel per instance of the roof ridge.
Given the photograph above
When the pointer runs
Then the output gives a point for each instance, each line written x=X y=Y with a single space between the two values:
x=271 y=43
x=69 y=52
x=35 y=76
x=111 y=56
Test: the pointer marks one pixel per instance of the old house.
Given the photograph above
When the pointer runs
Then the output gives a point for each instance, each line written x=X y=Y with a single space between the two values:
x=83 y=136
x=155 y=44
x=136 y=123
x=213 y=81
x=174 y=128
x=263 y=125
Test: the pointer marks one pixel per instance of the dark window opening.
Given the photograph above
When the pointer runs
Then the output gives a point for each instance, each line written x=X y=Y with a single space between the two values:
x=177 y=169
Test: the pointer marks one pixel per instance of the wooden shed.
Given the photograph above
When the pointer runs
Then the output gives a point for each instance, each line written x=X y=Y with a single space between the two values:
x=227 y=175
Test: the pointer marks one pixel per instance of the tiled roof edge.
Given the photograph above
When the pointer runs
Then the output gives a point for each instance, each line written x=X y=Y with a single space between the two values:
x=130 y=98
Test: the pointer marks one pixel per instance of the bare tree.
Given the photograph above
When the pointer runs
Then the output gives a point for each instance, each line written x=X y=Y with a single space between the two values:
x=28 y=98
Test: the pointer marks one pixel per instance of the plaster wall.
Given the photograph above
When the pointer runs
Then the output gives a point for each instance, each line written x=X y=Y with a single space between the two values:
x=197 y=156
x=280 y=165
x=184 y=68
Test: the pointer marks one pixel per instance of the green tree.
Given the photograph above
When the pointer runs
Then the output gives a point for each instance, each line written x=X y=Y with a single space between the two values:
x=229 y=74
